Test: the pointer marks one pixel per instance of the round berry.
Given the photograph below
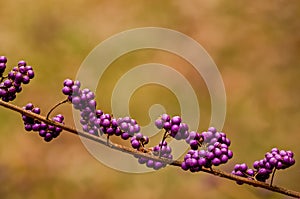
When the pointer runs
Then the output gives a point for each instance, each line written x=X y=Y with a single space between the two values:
x=3 y=59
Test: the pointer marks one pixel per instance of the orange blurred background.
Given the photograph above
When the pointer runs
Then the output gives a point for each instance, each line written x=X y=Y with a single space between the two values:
x=255 y=45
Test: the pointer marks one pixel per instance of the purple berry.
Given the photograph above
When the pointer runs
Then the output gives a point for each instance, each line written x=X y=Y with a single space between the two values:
x=212 y=129
x=68 y=82
x=22 y=63
x=194 y=144
x=3 y=59
x=36 y=110
x=135 y=144
x=159 y=124
x=2 y=67
x=165 y=117
x=25 y=79
x=157 y=165
x=7 y=83
x=48 y=137
x=125 y=136
x=167 y=126
x=176 y=120
x=174 y=129
x=216 y=161
x=184 y=166
x=30 y=74
x=28 y=127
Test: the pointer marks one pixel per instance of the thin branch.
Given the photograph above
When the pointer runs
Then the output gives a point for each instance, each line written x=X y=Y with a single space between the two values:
x=273 y=174
x=54 y=107
x=146 y=153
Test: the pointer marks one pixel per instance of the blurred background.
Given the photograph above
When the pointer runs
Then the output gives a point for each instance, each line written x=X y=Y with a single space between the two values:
x=255 y=45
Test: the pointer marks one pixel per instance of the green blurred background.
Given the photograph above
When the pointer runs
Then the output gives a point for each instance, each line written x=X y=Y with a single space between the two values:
x=255 y=45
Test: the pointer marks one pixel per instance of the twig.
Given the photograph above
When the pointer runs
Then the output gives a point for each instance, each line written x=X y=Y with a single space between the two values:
x=146 y=153
x=273 y=174
x=54 y=107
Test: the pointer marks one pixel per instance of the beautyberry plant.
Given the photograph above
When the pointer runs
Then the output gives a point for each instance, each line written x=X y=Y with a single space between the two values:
x=208 y=149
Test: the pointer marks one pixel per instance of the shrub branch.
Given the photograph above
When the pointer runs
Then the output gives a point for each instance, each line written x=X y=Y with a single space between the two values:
x=144 y=152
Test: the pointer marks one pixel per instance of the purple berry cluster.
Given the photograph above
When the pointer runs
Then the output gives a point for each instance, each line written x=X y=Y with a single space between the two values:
x=242 y=170
x=95 y=121
x=207 y=149
x=84 y=101
x=108 y=124
x=173 y=126
x=19 y=75
x=278 y=159
x=274 y=160
x=160 y=150
x=48 y=132
x=3 y=61
x=90 y=120
x=139 y=140
x=129 y=127
x=194 y=160
x=195 y=140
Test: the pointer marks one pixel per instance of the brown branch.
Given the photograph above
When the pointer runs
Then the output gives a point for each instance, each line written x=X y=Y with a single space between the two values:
x=146 y=153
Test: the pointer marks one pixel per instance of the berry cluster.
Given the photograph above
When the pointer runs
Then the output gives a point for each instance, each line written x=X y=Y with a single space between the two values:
x=109 y=125
x=194 y=160
x=3 y=61
x=173 y=126
x=72 y=89
x=214 y=150
x=84 y=101
x=242 y=170
x=274 y=160
x=18 y=75
x=160 y=150
x=95 y=121
x=48 y=132
x=138 y=140
x=129 y=127
x=194 y=139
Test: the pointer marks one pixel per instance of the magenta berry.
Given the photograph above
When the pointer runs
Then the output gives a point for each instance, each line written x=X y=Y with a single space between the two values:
x=139 y=140
x=3 y=59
